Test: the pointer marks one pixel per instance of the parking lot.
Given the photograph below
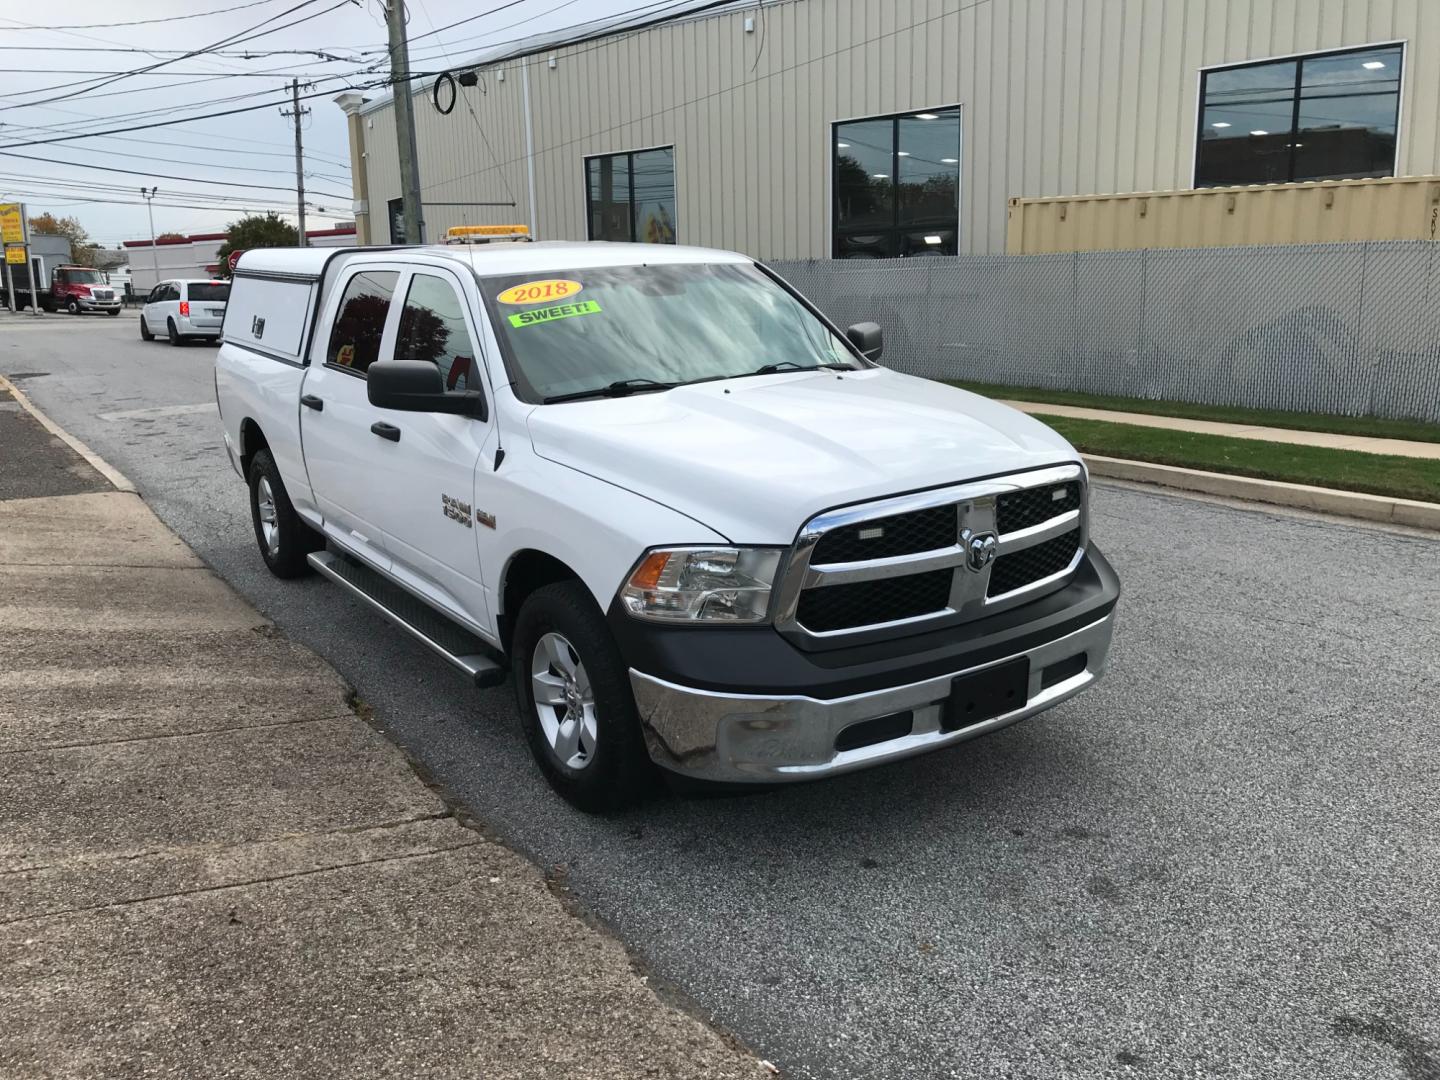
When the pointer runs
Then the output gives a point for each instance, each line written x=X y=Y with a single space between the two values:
x=1222 y=861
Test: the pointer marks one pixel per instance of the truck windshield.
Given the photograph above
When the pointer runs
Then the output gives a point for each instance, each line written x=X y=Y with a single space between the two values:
x=82 y=277
x=632 y=329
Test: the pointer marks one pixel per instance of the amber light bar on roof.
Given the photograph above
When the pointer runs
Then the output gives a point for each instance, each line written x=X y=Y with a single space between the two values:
x=484 y=234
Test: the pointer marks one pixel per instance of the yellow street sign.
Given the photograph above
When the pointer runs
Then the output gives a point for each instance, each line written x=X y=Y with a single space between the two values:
x=15 y=255
x=12 y=223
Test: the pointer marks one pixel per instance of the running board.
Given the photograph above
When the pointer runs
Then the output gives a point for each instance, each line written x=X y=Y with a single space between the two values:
x=461 y=648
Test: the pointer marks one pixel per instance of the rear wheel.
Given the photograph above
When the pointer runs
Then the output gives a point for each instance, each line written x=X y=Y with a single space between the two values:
x=171 y=332
x=284 y=539
x=145 y=334
x=575 y=701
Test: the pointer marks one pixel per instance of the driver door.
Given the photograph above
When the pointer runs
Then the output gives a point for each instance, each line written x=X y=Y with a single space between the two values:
x=427 y=479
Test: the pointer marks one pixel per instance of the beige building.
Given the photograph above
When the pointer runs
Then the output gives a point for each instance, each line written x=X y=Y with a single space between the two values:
x=866 y=128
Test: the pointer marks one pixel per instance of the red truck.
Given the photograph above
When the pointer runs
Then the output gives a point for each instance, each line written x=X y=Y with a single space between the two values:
x=77 y=289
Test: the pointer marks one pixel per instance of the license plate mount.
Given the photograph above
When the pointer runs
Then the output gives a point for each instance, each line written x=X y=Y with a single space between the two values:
x=986 y=694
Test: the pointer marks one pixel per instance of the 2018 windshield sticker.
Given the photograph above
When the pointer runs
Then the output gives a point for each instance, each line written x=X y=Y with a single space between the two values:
x=540 y=292
x=550 y=314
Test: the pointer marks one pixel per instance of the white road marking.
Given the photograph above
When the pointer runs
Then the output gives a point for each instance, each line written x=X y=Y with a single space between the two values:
x=158 y=411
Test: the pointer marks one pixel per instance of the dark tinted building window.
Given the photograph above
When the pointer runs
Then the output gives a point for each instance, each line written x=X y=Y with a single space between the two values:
x=355 y=338
x=631 y=196
x=897 y=186
x=432 y=327
x=1326 y=117
x=395 y=210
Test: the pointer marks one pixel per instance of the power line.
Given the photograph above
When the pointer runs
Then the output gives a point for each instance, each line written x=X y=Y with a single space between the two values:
x=258 y=30
x=142 y=22
x=166 y=176
x=183 y=120
x=183 y=161
x=189 y=144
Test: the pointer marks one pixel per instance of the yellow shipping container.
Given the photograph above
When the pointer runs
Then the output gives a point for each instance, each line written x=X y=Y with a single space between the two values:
x=1391 y=208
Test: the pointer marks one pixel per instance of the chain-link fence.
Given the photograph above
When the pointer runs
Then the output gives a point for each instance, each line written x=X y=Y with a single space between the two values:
x=1334 y=328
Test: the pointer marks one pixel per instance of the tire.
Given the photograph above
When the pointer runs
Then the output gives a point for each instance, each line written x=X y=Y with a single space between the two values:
x=284 y=539
x=145 y=334
x=73 y=307
x=112 y=314
x=172 y=333
x=562 y=633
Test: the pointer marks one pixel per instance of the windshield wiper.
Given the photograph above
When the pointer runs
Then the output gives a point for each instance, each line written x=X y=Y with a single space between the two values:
x=790 y=365
x=620 y=388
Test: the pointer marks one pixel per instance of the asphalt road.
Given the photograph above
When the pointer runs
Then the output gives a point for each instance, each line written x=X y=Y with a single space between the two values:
x=1221 y=862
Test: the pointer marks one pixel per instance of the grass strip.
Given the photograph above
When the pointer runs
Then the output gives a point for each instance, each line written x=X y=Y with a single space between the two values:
x=1349 y=470
x=1369 y=426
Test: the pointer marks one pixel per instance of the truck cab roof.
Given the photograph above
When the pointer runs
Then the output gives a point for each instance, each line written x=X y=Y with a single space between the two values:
x=484 y=260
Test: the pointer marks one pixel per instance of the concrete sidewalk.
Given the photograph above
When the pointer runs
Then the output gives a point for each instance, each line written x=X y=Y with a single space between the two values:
x=1361 y=443
x=210 y=865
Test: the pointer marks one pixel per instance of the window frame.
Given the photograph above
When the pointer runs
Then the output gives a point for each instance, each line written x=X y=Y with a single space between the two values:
x=674 y=187
x=832 y=172
x=392 y=313
x=479 y=372
x=1299 y=57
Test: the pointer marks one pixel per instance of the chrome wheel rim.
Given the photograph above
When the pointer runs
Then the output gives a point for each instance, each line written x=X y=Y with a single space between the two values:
x=564 y=701
x=269 y=527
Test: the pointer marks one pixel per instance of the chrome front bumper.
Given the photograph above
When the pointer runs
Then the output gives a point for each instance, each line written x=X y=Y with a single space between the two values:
x=744 y=737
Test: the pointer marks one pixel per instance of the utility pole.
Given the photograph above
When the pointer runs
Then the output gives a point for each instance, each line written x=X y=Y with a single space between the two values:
x=298 y=112
x=405 y=123
x=154 y=252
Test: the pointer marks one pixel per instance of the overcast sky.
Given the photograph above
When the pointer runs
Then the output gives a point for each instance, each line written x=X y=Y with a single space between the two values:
x=253 y=148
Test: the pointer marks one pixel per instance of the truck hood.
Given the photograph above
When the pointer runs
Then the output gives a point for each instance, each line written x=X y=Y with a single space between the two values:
x=754 y=458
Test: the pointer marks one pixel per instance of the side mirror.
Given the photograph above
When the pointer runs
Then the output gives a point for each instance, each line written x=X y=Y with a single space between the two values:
x=417 y=386
x=868 y=338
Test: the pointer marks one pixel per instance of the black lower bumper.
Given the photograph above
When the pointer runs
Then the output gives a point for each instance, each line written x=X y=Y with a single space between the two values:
x=758 y=660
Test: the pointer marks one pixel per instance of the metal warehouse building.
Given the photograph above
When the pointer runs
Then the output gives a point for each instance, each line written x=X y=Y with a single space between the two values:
x=880 y=128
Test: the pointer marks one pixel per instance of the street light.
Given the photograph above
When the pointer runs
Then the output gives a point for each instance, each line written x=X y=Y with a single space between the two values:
x=154 y=253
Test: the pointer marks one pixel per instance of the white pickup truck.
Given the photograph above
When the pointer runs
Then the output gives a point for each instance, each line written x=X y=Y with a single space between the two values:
x=701 y=525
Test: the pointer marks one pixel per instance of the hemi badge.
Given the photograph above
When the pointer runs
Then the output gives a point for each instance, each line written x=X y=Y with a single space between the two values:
x=874 y=533
x=488 y=520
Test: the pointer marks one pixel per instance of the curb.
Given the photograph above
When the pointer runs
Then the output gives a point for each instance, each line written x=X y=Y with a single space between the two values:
x=117 y=479
x=1379 y=508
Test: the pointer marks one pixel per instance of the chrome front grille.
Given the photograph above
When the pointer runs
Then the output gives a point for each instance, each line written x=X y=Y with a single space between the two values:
x=906 y=563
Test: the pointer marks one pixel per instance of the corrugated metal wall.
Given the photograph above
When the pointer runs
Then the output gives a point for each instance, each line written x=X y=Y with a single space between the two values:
x=1060 y=97
x=1395 y=208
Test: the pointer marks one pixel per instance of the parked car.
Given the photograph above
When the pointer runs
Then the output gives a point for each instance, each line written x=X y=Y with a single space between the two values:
x=702 y=526
x=183 y=309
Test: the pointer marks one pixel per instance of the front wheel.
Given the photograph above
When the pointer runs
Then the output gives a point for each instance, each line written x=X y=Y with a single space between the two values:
x=285 y=540
x=113 y=313
x=575 y=701
x=73 y=307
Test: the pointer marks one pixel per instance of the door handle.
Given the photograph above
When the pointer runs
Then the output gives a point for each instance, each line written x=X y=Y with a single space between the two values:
x=386 y=431
x=313 y=402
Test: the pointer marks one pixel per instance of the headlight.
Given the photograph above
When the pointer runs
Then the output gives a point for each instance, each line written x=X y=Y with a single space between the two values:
x=729 y=585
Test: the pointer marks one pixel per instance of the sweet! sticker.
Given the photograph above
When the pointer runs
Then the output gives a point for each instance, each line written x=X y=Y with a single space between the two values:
x=540 y=292
x=550 y=314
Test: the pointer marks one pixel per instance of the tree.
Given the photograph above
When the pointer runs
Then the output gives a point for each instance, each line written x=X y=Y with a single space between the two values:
x=82 y=251
x=170 y=236
x=256 y=232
